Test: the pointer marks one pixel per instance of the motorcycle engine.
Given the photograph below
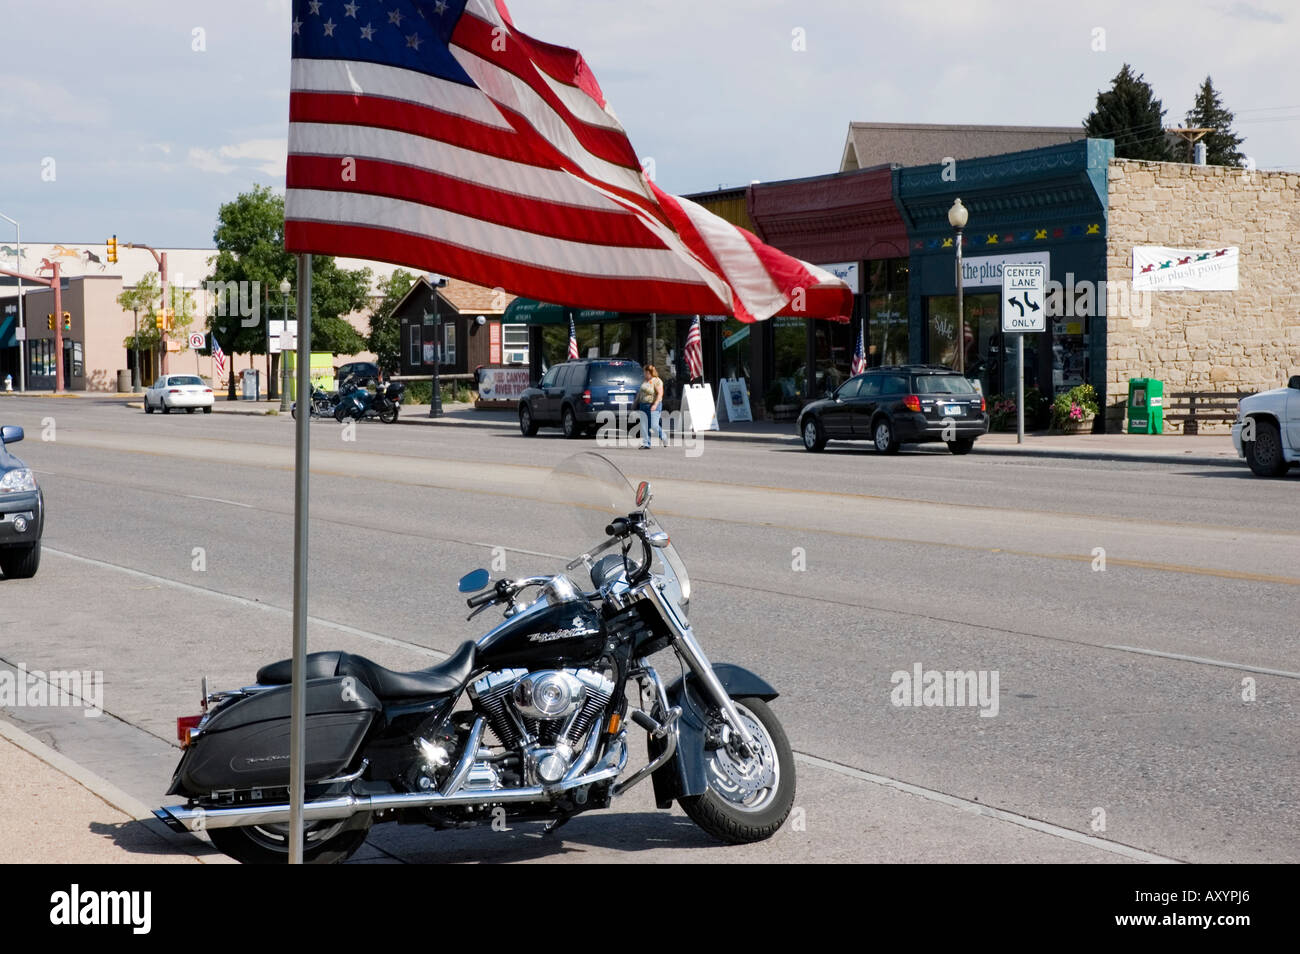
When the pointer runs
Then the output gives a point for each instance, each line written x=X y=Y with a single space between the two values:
x=546 y=715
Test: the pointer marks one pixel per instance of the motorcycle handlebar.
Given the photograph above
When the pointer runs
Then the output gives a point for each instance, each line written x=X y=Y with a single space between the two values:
x=485 y=597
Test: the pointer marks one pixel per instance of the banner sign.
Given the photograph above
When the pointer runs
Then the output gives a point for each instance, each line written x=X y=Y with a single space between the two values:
x=1156 y=268
x=701 y=414
x=503 y=384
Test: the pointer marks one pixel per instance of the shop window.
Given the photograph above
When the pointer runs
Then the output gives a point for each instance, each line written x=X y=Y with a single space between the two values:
x=789 y=358
x=449 y=343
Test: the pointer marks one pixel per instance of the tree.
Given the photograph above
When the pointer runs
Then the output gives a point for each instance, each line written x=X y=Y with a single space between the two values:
x=1130 y=114
x=250 y=248
x=385 y=334
x=1208 y=112
x=141 y=298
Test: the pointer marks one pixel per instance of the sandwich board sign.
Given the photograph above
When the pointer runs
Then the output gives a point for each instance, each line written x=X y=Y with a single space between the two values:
x=1024 y=288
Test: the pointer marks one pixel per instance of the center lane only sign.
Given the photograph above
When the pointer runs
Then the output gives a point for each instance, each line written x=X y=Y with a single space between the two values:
x=1024 y=288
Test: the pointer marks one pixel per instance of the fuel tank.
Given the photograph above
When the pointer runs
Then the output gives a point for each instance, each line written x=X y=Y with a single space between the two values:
x=560 y=628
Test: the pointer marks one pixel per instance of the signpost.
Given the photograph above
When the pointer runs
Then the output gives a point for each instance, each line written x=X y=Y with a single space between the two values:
x=1023 y=290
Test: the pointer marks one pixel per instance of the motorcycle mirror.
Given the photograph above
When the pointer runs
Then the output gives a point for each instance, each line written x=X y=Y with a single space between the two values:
x=475 y=581
x=658 y=540
x=643 y=495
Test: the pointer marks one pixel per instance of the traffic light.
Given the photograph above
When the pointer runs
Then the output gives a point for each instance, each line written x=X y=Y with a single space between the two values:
x=161 y=320
x=49 y=320
x=67 y=321
x=112 y=249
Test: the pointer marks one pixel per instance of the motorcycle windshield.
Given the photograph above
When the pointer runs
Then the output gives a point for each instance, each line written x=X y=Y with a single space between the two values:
x=596 y=491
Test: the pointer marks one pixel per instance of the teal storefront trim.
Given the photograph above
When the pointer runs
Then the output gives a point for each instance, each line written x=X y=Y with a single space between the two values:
x=1046 y=204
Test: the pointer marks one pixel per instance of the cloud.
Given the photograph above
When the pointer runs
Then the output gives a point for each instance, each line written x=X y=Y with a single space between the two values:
x=265 y=155
x=1243 y=10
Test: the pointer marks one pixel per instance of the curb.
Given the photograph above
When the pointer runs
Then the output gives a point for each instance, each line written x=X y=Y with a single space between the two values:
x=106 y=791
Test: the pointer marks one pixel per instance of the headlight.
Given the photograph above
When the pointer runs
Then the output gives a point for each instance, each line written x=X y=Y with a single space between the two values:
x=17 y=481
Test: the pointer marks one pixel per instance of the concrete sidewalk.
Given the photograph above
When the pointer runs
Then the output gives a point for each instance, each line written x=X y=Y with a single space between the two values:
x=56 y=812
x=1163 y=448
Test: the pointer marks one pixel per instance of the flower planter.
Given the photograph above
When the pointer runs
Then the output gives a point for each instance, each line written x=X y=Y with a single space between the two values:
x=1079 y=427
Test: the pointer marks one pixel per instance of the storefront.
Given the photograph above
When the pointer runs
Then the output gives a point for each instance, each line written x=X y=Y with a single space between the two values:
x=1044 y=205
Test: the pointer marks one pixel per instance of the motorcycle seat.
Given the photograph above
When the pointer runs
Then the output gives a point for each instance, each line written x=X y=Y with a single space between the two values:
x=446 y=678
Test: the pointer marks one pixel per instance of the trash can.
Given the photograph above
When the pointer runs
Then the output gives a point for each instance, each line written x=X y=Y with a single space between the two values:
x=1146 y=406
x=123 y=382
x=249 y=383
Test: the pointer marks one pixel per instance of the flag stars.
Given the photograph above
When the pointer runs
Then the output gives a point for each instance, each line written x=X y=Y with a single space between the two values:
x=297 y=26
x=395 y=17
x=315 y=7
x=440 y=7
x=367 y=32
x=413 y=41
x=329 y=26
x=350 y=10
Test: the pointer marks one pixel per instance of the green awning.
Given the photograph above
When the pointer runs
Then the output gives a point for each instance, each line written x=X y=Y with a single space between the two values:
x=529 y=311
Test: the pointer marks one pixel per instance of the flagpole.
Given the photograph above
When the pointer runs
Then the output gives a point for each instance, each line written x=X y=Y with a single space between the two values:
x=298 y=690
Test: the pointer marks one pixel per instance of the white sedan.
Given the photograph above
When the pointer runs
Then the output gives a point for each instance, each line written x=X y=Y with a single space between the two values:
x=178 y=391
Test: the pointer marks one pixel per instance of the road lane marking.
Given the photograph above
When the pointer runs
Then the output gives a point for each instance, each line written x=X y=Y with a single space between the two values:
x=232 y=503
x=1208 y=662
x=1024 y=821
x=252 y=604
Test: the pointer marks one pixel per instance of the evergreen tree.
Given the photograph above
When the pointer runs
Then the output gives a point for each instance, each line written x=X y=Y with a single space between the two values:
x=1208 y=112
x=1130 y=114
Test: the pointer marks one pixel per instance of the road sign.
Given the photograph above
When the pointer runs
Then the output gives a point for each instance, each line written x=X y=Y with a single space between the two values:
x=198 y=340
x=282 y=338
x=1024 y=289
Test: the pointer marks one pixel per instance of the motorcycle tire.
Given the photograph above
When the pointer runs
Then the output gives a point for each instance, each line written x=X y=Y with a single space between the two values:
x=340 y=414
x=388 y=415
x=723 y=813
x=327 y=842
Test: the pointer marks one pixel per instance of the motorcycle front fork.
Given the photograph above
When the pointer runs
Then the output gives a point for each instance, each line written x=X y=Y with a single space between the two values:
x=688 y=647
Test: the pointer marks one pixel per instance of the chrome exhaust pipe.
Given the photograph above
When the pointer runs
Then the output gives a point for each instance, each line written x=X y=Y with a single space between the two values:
x=181 y=818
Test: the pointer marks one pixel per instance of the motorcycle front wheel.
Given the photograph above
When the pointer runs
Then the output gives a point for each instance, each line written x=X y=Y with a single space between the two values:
x=326 y=842
x=748 y=798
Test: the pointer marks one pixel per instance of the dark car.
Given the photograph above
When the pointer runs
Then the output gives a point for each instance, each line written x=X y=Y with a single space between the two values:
x=22 y=512
x=571 y=395
x=357 y=372
x=911 y=404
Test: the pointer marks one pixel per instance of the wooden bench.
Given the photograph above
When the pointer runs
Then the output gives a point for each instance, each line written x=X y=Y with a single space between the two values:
x=1196 y=407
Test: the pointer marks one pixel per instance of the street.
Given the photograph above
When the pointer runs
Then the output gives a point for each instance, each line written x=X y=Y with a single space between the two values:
x=1137 y=621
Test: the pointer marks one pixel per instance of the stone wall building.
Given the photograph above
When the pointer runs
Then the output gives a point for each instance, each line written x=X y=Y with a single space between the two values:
x=1209 y=341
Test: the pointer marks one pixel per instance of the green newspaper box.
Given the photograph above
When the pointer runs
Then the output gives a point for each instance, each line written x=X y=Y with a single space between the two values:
x=1146 y=406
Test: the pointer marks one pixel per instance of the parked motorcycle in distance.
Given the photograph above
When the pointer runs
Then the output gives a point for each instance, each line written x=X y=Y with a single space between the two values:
x=387 y=401
x=528 y=723
x=322 y=404
x=354 y=402
x=359 y=399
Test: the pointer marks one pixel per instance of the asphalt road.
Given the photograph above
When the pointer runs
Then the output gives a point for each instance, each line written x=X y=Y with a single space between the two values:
x=1145 y=710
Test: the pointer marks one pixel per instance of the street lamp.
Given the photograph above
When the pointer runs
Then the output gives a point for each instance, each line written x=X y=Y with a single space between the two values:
x=284 y=358
x=957 y=216
x=22 y=334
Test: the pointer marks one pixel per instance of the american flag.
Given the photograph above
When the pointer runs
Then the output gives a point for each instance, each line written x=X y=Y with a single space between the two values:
x=434 y=134
x=859 y=356
x=218 y=356
x=573 y=341
x=694 y=355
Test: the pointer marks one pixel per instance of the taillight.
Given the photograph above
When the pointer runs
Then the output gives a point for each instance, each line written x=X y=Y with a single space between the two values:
x=912 y=402
x=184 y=725
x=586 y=397
x=983 y=407
x=207 y=390
x=173 y=390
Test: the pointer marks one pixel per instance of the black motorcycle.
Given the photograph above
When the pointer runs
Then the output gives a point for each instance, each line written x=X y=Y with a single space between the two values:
x=360 y=399
x=529 y=722
x=322 y=404
x=388 y=401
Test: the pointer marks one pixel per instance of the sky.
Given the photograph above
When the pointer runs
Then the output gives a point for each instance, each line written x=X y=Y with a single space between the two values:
x=139 y=118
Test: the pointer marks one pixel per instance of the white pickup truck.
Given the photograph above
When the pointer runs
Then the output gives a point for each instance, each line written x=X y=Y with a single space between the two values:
x=1267 y=430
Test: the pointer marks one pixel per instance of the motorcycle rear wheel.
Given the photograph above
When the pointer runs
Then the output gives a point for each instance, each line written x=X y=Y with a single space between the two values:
x=747 y=802
x=326 y=842
x=388 y=415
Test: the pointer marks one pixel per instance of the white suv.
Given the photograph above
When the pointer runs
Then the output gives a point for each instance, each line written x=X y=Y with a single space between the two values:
x=1267 y=430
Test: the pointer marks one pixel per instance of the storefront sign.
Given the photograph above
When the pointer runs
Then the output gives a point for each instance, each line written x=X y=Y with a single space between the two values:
x=846 y=272
x=503 y=384
x=1023 y=289
x=701 y=413
x=494 y=343
x=985 y=271
x=733 y=396
x=1156 y=268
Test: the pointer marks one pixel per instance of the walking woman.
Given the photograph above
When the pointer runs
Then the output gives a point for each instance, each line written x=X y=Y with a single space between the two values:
x=650 y=402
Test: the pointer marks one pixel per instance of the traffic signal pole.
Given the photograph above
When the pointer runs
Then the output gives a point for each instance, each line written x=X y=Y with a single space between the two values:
x=161 y=259
x=54 y=283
